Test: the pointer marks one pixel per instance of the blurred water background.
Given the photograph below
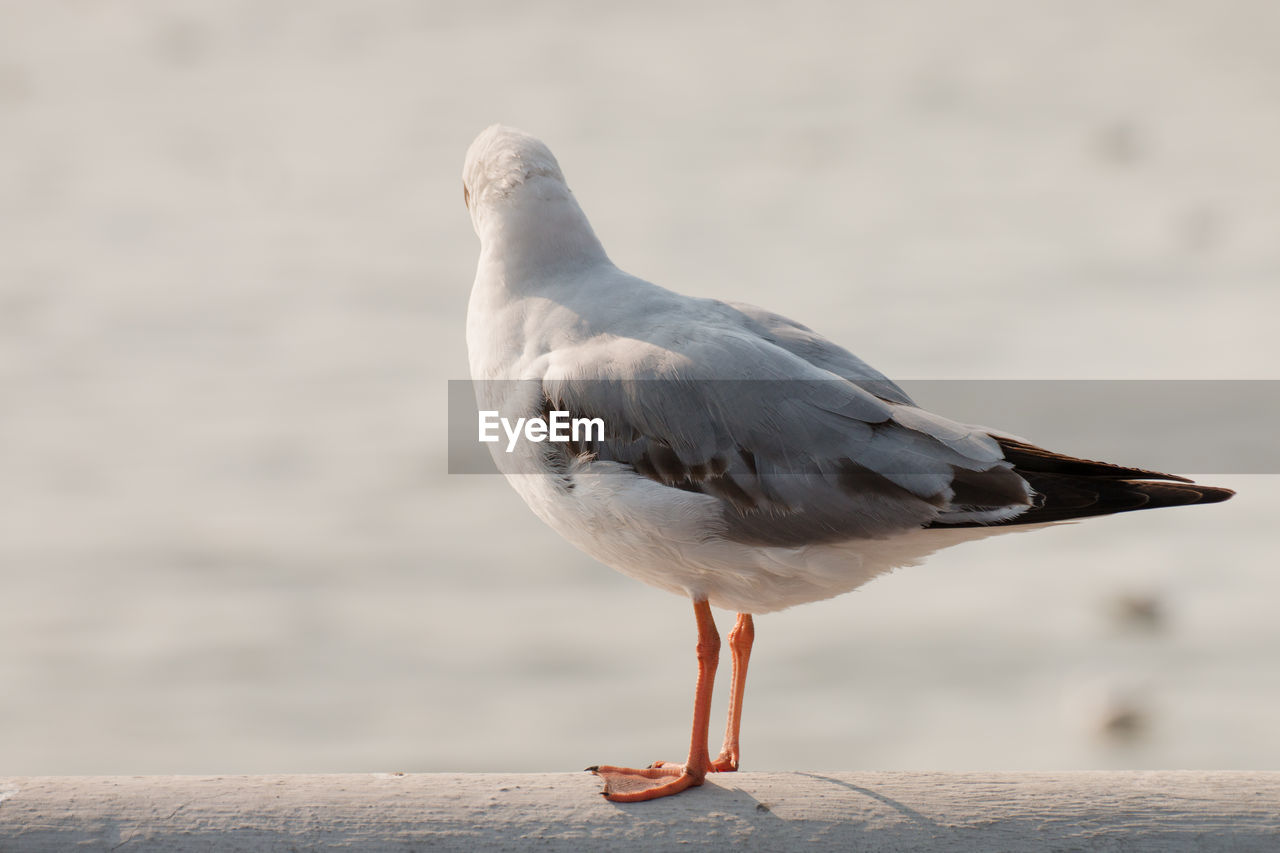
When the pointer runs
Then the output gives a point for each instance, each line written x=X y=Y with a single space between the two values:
x=234 y=265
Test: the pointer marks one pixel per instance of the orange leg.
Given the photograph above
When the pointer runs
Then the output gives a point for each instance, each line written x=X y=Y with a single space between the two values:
x=631 y=785
x=740 y=640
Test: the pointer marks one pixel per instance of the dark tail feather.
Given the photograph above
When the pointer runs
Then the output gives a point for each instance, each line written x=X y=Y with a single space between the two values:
x=1067 y=487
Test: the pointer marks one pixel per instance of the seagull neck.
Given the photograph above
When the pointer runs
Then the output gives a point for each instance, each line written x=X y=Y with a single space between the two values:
x=541 y=236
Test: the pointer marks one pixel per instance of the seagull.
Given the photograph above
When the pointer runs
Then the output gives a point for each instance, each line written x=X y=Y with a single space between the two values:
x=744 y=461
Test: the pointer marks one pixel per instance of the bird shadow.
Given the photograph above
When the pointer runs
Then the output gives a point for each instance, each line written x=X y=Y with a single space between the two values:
x=724 y=800
x=905 y=811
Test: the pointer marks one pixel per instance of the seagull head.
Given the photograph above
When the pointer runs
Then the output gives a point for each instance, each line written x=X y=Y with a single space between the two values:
x=520 y=204
x=501 y=162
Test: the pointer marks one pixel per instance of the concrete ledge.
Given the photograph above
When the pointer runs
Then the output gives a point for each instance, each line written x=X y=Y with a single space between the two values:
x=1156 y=811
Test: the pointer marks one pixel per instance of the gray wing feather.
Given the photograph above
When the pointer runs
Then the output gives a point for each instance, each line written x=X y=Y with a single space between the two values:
x=791 y=462
x=818 y=351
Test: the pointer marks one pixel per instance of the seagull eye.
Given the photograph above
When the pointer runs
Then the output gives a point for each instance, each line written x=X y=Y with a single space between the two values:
x=466 y=196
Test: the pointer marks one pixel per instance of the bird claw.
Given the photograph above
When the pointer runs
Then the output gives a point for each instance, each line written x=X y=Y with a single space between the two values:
x=633 y=785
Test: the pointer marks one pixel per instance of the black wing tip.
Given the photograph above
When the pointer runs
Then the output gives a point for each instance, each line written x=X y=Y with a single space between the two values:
x=1162 y=494
x=1061 y=497
x=1067 y=487
x=1214 y=494
x=1029 y=457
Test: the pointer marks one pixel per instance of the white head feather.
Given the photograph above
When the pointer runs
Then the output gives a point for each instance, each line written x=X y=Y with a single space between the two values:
x=521 y=207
